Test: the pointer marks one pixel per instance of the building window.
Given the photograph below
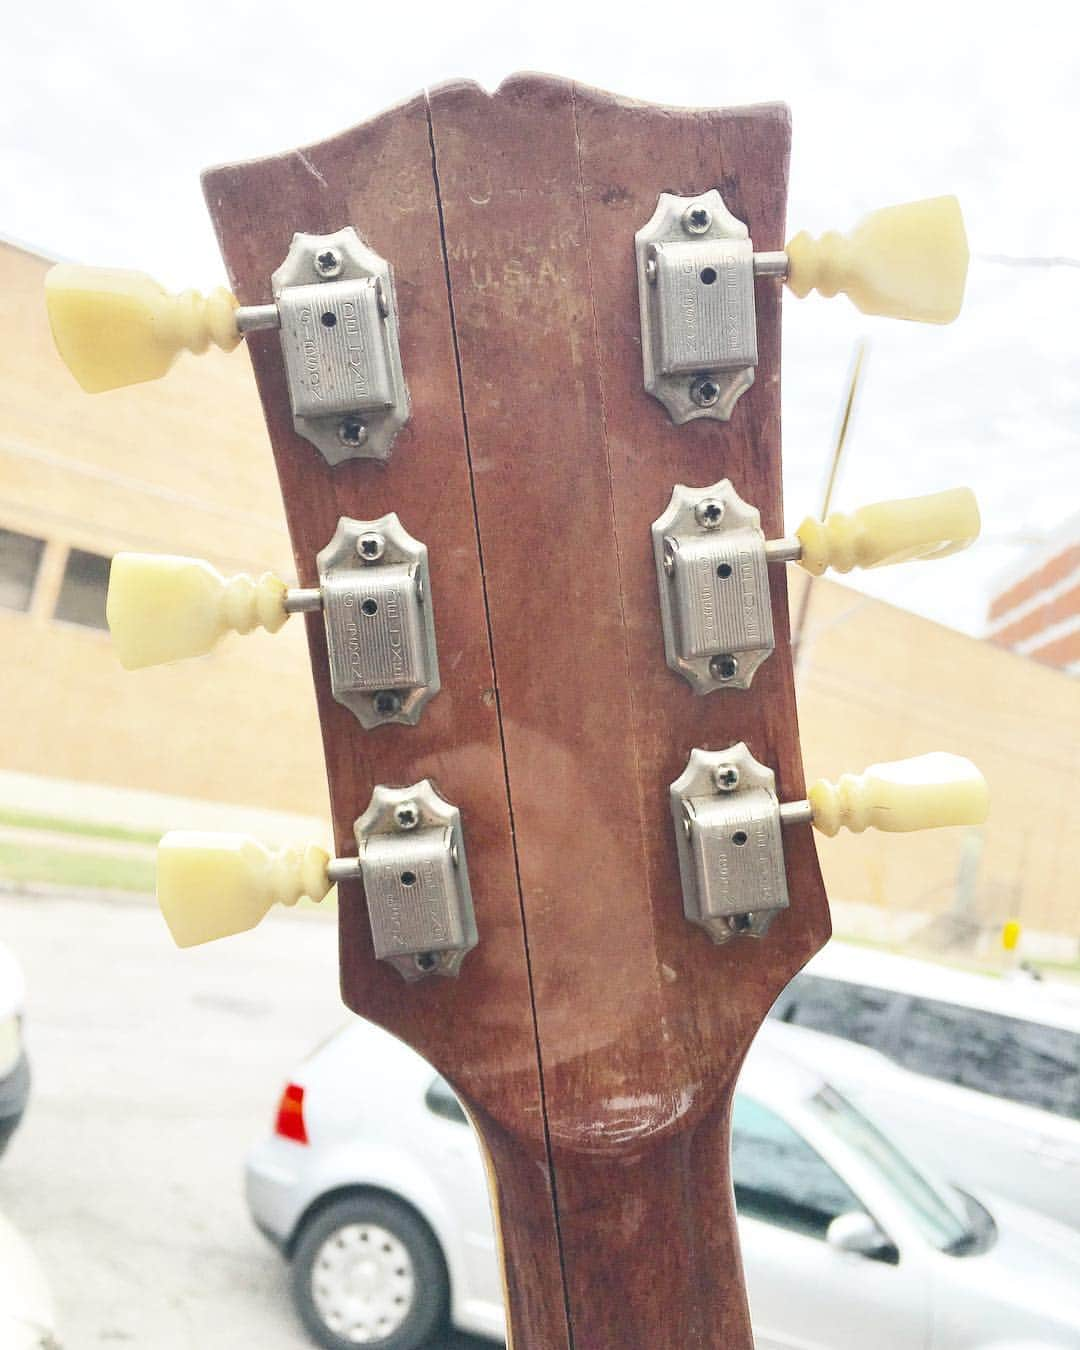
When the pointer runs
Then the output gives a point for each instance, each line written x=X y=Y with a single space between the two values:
x=20 y=557
x=83 y=590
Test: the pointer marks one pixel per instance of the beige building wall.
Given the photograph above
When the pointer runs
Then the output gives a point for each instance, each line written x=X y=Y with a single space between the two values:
x=877 y=683
x=178 y=466
x=183 y=466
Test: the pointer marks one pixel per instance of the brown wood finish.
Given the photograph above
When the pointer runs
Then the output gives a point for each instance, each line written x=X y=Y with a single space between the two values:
x=559 y=736
x=480 y=1030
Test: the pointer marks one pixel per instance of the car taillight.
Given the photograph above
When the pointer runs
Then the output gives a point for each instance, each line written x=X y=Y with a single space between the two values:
x=290 y=1114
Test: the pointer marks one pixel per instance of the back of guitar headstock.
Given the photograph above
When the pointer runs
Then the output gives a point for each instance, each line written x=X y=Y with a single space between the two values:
x=606 y=694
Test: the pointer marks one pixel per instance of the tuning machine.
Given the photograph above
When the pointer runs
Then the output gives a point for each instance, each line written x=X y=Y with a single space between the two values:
x=334 y=307
x=696 y=273
x=374 y=593
x=712 y=566
x=729 y=825
x=410 y=859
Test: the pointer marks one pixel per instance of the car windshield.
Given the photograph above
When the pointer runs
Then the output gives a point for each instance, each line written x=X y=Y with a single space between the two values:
x=928 y=1208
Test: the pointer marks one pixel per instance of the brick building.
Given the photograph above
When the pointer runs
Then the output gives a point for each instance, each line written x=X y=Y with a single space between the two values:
x=1036 y=610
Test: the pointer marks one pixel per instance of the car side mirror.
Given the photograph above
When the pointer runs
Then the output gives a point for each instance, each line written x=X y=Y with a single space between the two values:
x=859 y=1234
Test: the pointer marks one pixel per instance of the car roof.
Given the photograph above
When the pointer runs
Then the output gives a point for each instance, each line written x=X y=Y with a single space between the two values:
x=776 y=1072
x=1050 y=1002
x=826 y=1054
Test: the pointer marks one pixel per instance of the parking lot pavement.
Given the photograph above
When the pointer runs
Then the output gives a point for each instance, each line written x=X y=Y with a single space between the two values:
x=153 y=1072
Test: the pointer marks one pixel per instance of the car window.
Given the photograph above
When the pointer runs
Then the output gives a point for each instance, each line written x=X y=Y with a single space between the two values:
x=857 y=1012
x=1006 y=1057
x=440 y=1099
x=779 y=1178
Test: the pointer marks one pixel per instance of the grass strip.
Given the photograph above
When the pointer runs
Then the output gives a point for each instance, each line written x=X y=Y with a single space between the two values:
x=32 y=820
x=67 y=867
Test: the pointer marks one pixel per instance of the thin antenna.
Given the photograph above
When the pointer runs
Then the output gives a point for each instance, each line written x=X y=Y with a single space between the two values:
x=830 y=484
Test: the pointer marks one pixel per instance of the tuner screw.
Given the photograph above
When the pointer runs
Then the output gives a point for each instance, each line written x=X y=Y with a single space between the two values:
x=709 y=513
x=328 y=264
x=370 y=547
x=726 y=777
x=704 y=391
x=352 y=432
x=723 y=668
x=406 y=816
x=387 y=703
x=652 y=269
x=696 y=219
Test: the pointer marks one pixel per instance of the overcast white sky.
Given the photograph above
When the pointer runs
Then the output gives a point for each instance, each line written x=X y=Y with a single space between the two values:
x=108 y=112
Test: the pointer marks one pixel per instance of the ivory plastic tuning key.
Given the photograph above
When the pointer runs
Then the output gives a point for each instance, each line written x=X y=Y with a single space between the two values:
x=907 y=529
x=333 y=304
x=113 y=327
x=712 y=562
x=373 y=591
x=696 y=277
x=410 y=859
x=901 y=262
x=210 y=886
x=162 y=608
x=922 y=793
x=729 y=824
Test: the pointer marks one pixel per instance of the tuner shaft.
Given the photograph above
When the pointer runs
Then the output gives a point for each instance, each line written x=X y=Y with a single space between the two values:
x=303 y=600
x=253 y=318
x=771 y=265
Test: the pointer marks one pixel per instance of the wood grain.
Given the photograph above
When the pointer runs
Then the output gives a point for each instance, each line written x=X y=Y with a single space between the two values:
x=595 y=1035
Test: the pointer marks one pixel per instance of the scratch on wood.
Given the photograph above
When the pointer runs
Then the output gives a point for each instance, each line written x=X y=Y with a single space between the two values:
x=310 y=167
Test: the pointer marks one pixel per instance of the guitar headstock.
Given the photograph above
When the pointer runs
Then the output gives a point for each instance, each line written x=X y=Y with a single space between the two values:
x=590 y=767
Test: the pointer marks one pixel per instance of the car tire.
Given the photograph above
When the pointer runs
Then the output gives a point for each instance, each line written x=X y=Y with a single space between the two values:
x=370 y=1261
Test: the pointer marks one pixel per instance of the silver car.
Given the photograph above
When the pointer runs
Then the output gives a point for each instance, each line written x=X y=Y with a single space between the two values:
x=977 y=1077
x=372 y=1183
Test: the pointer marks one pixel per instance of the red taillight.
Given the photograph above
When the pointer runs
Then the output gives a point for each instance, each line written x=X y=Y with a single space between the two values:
x=290 y=1114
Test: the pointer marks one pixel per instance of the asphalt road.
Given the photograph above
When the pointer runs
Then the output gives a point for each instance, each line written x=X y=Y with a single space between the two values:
x=153 y=1072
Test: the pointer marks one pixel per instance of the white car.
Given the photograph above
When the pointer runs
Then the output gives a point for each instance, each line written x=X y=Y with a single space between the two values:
x=991 y=1096
x=373 y=1185
x=26 y=1306
x=14 y=1065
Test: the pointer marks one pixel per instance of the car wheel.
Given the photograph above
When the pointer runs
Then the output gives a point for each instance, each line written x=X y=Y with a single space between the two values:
x=367 y=1271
